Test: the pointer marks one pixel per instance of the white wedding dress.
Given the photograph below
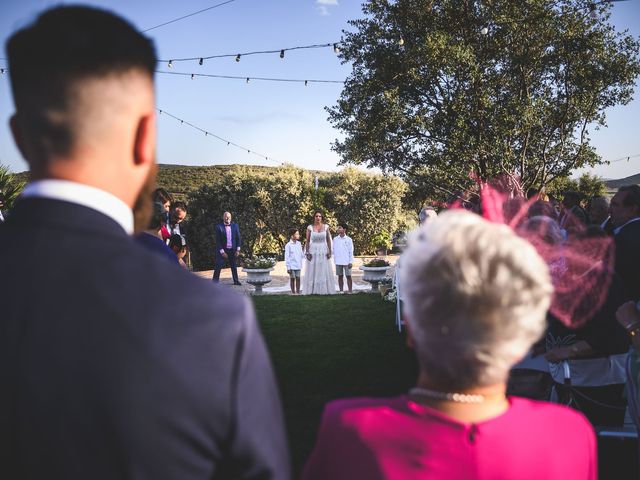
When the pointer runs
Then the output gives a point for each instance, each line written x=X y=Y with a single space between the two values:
x=317 y=278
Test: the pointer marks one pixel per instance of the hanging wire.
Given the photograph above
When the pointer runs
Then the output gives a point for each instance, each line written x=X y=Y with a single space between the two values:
x=237 y=55
x=627 y=158
x=209 y=134
x=265 y=79
x=189 y=15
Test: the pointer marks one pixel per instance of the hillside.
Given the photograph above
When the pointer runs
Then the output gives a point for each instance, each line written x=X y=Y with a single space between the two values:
x=615 y=184
x=182 y=179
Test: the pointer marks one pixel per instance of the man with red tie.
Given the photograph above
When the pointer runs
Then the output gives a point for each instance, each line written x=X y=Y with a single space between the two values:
x=227 y=247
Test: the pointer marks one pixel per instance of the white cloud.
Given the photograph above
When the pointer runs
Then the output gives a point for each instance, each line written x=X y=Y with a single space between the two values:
x=323 y=6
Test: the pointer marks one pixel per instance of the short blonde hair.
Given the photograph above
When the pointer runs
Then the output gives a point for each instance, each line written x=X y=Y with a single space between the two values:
x=476 y=297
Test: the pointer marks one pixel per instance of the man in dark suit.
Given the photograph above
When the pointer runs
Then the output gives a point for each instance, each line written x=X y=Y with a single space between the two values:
x=178 y=224
x=625 y=217
x=228 y=245
x=100 y=376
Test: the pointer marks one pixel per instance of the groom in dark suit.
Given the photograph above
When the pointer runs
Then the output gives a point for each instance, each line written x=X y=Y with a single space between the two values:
x=228 y=245
x=101 y=375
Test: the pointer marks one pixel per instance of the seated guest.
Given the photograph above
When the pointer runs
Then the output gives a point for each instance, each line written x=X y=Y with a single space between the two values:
x=628 y=317
x=178 y=246
x=588 y=363
x=599 y=213
x=625 y=218
x=573 y=215
x=177 y=222
x=476 y=296
x=152 y=240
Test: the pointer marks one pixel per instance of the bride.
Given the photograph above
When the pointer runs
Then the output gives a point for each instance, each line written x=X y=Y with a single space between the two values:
x=318 y=275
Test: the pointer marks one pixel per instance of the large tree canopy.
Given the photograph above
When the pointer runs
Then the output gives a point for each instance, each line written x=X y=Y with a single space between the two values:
x=441 y=89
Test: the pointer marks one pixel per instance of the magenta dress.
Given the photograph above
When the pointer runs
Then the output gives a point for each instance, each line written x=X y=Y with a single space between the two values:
x=395 y=438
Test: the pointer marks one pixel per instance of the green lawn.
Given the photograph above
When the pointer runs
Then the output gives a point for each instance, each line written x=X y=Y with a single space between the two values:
x=328 y=347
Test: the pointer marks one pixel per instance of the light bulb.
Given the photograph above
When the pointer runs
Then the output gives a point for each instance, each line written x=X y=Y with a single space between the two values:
x=401 y=41
x=170 y=64
x=247 y=79
x=336 y=50
x=201 y=61
x=192 y=76
x=1 y=71
x=238 y=58
x=281 y=53
x=484 y=30
x=305 y=82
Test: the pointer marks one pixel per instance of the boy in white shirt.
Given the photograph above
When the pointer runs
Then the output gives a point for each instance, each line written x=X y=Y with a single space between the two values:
x=343 y=256
x=293 y=259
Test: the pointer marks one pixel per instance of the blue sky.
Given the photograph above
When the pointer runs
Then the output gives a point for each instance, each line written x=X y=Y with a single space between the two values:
x=286 y=122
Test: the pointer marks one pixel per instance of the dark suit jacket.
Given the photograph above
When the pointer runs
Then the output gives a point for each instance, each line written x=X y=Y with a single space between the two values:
x=221 y=237
x=115 y=364
x=184 y=230
x=628 y=258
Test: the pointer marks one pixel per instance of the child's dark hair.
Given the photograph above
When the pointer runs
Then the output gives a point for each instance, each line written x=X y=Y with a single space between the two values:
x=343 y=225
x=292 y=231
x=177 y=240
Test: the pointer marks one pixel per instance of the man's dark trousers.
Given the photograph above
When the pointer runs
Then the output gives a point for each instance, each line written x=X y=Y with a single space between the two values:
x=231 y=256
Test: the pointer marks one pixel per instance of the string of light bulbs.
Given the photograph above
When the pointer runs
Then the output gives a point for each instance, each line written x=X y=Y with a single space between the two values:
x=207 y=133
x=189 y=15
x=248 y=79
x=238 y=56
x=627 y=158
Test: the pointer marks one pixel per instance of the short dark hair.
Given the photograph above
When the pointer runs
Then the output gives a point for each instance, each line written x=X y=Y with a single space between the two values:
x=571 y=196
x=179 y=204
x=61 y=47
x=343 y=225
x=292 y=231
x=160 y=195
x=633 y=195
x=177 y=240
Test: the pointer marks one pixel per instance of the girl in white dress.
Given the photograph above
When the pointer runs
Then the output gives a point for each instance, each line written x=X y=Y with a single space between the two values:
x=317 y=278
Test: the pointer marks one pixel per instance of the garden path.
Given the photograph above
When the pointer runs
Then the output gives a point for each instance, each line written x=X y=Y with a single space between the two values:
x=280 y=279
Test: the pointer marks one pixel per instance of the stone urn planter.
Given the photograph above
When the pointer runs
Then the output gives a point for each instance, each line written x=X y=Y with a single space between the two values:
x=258 y=277
x=374 y=275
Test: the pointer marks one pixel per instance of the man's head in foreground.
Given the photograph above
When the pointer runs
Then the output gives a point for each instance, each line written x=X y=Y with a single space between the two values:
x=82 y=82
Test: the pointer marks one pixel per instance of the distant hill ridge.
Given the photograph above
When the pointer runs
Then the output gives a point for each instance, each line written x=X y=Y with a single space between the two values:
x=182 y=179
x=615 y=184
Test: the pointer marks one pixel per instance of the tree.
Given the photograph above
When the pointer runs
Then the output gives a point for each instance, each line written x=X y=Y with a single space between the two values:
x=587 y=185
x=443 y=89
x=10 y=187
x=370 y=205
x=265 y=204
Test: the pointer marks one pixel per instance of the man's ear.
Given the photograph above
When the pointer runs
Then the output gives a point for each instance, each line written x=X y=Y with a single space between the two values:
x=144 y=146
x=17 y=135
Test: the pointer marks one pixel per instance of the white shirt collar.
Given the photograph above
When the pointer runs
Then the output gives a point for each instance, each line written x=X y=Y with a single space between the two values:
x=617 y=229
x=80 y=194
